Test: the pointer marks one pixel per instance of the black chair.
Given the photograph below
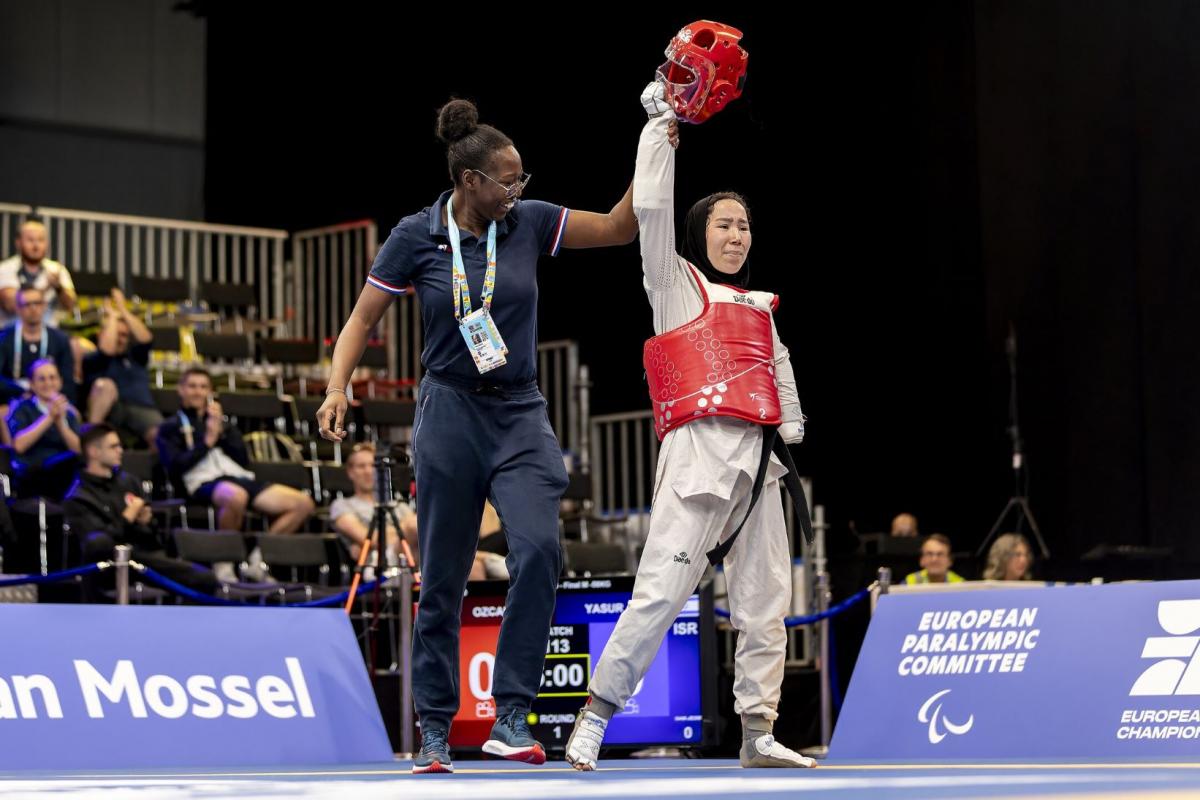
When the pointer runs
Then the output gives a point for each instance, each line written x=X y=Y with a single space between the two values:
x=227 y=346
x=43 y=536
x=289 y=351
x=402 y=478
x=249 y=408
x=143 y=465
x=304 y=412
x=579 y=487
x=212 y=547
x=228 y=295
x=319 y=449
x=379 y=414
x=165 y=400
x=288 y=473
x=140 y=464
x=304 y=554
x=304 y=422
x=166 y=338
x=236 y=307
x=579 y=495
x=374 y=356
x=388 y=412
x=334 y=481
x=224 y=347
x=584 y=559
x=93 y=284
x=159 y=290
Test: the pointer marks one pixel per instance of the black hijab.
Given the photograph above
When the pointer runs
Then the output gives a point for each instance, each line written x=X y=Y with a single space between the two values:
x=695 y=240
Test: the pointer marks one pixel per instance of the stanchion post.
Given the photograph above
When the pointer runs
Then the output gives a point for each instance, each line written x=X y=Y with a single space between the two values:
x=43 y=537
x=823 y=598
x=883 y=582
x=584 y=394
x=818 y=549
x=5 y=493
x=121 y=562
x=406 y=628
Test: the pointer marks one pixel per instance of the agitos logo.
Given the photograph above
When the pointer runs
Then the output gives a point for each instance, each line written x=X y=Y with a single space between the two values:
x=931 y=713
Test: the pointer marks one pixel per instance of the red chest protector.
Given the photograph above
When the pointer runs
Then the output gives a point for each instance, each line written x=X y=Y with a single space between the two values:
x=720 y=363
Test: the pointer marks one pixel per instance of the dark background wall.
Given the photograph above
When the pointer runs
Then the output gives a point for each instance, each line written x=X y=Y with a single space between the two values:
x=850 y=142
x=1088 y=211
x=102 y=106
x=921 y=176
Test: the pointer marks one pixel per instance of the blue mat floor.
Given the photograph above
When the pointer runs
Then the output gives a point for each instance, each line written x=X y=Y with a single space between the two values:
x=629 y=780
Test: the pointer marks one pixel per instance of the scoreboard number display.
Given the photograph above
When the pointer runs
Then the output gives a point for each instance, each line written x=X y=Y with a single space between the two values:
x=668 y=706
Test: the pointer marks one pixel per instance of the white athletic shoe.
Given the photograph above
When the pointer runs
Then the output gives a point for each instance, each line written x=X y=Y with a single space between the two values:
x=583 y=748
x=764 y=751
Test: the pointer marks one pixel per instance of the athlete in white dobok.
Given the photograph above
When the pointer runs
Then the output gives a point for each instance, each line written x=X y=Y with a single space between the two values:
x=720 y=381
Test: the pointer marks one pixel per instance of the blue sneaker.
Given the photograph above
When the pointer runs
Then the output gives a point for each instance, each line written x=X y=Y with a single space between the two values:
x=511 y=739
x=435 y=752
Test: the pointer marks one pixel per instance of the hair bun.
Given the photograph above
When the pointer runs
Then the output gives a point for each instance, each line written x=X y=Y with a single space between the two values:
x=457 y=120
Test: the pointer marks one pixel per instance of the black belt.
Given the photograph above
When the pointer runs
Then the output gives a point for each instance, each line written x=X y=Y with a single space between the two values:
x=771 y=443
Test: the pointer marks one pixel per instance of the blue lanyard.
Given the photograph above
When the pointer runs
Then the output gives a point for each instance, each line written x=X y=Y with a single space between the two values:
x=19 y=348
x=460 y=289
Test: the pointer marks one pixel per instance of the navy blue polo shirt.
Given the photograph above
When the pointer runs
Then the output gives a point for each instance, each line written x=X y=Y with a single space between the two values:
x=52 y=443
x=418 y=253
x=58 y=349
x=128 y=372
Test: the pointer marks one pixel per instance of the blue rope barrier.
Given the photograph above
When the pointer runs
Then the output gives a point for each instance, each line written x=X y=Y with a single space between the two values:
x=337 y=599
x=187 y=591
x=208 y=599
x=53 y=577
x=792 y=622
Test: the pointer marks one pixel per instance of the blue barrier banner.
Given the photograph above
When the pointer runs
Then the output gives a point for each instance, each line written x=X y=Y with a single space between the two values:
x=1055 y=672
x=88 y=687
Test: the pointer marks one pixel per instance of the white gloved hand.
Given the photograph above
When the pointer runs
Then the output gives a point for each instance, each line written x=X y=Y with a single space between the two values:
x=654 y=99
x=792 y=432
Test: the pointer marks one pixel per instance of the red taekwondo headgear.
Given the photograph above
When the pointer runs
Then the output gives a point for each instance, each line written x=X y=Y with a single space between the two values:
x=705 y=69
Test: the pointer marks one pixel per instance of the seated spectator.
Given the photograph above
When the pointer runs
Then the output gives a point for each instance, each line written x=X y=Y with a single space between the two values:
x=30 y=268
x=905 y=526
x=107 y=506
x=28 y=340
x=935 y=562
x=1009 y=559
x=115 y=376
x=206 y=459
x=45 y=436
x=490 y=561
x=351 y=516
